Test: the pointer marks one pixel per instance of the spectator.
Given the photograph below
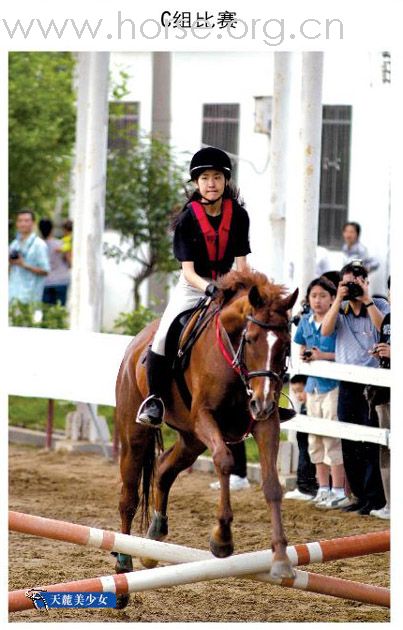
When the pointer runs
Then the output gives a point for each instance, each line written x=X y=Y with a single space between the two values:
x=67 y=241
x=28 y=261
x=307 y=485
x=238 y=479
x=353 y=249
x=356 y=319
x=57 y=281
x=322 y=393
x=380 y=397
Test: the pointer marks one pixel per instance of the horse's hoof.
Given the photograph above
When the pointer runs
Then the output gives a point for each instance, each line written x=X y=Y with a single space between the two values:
x=122 y=601
x=282 y=569
x=221 y=550
x=158 y=530
x=148 y=563
x=124 y=563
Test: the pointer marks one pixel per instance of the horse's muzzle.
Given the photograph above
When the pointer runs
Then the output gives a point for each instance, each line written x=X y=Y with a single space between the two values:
x=260 y=411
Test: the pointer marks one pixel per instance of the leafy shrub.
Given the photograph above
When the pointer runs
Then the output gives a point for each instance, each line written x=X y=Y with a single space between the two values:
x=38 y=315
x=133 y=322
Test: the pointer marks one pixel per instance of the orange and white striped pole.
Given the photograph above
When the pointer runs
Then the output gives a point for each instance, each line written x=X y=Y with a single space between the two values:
x=301 y=554
x=254 y=565
x=207 y=570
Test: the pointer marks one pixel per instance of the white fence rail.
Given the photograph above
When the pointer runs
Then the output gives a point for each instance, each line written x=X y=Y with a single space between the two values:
x=333 y=428
x=344 y=372
x=64 y=364
x=82 y=367
x=340 y=372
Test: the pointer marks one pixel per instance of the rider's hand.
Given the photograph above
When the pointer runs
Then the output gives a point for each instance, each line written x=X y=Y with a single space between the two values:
x=211 y=290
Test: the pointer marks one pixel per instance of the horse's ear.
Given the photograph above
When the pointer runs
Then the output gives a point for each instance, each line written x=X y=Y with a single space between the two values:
x=290 y=300
x=255 y=298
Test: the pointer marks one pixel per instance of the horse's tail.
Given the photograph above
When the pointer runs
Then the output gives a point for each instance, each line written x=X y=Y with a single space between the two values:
x=154 y=446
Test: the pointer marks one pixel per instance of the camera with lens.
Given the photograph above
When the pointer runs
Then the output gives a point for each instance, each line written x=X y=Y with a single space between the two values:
x=14 y=254
x=307 y=354
x=354 y=290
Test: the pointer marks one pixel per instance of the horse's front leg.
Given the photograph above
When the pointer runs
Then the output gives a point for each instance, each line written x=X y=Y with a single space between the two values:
x=130 y=466
x=206 y=429
x=267 y=435
x=179 y=457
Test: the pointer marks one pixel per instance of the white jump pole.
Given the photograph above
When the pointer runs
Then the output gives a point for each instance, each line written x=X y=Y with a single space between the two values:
x=192 y=572
x=253 y=565
x=305 y=553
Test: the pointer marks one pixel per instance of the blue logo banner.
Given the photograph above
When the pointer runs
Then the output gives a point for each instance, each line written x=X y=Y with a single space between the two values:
x=44 y=600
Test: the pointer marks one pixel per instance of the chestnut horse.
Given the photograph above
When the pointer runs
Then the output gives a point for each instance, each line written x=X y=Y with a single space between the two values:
x=250 y=330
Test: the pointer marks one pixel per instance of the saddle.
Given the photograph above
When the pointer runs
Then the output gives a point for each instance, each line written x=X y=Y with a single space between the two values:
x=182 y=335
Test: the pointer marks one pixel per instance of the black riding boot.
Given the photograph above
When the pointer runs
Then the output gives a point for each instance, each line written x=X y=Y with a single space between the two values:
x=152 y=410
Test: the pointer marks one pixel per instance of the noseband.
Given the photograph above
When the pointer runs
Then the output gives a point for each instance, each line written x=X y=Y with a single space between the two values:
x=237 y=361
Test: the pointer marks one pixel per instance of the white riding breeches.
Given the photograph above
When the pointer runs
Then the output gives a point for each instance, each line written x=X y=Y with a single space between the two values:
x=183 y=297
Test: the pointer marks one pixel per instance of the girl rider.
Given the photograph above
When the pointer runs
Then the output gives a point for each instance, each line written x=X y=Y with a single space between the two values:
x=211 y=232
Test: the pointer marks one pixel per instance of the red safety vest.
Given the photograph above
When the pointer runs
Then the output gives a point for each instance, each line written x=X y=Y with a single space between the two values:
x=216 y=241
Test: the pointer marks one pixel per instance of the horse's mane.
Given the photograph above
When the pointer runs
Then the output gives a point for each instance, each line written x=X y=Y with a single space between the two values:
x=235 y=282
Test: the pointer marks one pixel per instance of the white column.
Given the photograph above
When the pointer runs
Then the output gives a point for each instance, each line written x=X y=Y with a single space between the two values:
x=160 y=129
x=309 y=169
x=88 y=199
x=279 y=161
x=161 y=96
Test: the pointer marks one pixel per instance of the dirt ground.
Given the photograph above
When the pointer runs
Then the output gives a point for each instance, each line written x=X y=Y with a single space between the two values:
x=84 y=489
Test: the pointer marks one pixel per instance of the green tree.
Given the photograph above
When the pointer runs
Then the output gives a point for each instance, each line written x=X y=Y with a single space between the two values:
x=144 y=185
x=41 y=128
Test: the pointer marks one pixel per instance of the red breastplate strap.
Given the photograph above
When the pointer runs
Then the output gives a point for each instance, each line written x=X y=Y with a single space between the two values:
x=230 y=362
x=216 y=242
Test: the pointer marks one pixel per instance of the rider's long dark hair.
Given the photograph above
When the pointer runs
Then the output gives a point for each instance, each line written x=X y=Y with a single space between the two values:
x=230 y=192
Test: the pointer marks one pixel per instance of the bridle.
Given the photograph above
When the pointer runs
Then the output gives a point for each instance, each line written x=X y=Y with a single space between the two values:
x=236 y=358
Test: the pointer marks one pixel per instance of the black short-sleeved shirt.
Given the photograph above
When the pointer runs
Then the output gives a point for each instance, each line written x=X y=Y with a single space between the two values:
x=189 y=243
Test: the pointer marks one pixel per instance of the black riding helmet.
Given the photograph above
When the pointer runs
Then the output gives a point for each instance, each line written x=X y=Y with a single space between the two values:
x=210 y=157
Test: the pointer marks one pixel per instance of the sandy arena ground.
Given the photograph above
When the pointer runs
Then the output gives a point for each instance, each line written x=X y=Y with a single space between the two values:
x=85 y=488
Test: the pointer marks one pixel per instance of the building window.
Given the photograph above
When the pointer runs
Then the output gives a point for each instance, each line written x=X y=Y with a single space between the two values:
x=123 y=124
x=221 y=129
x=335 y=174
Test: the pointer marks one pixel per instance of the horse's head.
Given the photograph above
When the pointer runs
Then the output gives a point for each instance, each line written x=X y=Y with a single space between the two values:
x=267 y=343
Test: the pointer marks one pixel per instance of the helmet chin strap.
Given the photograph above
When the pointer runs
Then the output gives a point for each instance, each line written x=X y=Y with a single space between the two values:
x=209 y=202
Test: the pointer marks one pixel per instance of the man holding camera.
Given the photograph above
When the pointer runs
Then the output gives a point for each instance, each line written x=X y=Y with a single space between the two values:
x=356 y=318
x=28 y=261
